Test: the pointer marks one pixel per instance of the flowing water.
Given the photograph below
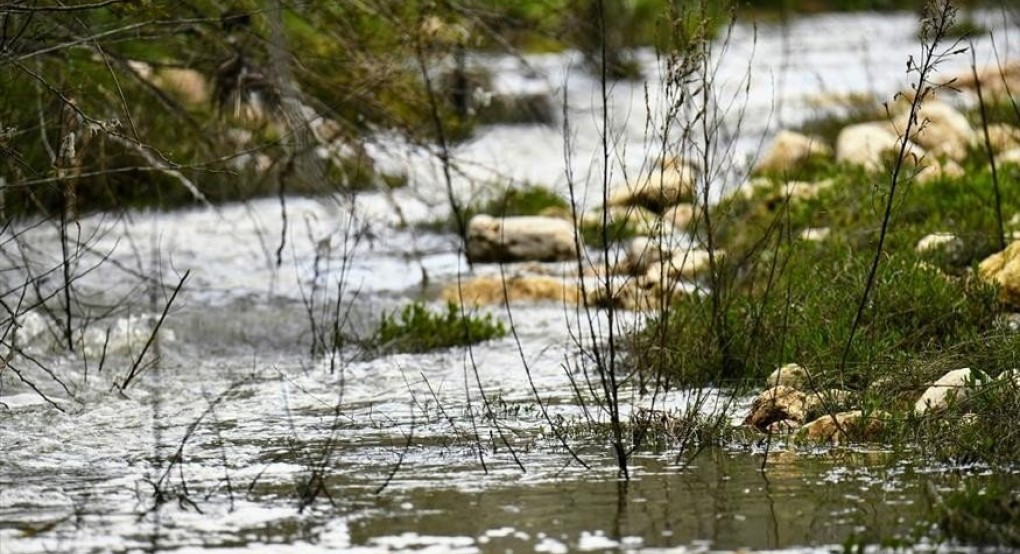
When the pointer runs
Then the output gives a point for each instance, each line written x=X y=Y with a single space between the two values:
x=240 y=438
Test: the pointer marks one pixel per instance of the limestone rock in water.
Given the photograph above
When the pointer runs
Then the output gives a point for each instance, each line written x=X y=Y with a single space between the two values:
x=493 y=290
x=659 y=189
x=643 y=252
x=1003 y=269
x=868 y=144
x=517 y=239
x=776 y=404
x=853 y=425
x=951 y=387
x=782 y=427
x=940 y=129
x=789 y=375
x=789 y=151
x=827 y=402
x=632 y=295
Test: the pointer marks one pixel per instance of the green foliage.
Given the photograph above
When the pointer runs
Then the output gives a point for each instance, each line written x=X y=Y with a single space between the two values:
x=982 y=514
x=417 y=329
x=618 y=230
x=527 y=199
x=851 y=206
x=984 y=428
x=785 y=299
x=658 y=431
x=805 y=315
x=966 y=27
x=998 y=109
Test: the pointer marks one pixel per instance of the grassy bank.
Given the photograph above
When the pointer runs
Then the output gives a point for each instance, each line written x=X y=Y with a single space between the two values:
x=796 y=268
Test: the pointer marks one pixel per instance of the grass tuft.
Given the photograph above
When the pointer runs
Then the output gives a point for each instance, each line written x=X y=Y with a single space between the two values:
x=418 y=329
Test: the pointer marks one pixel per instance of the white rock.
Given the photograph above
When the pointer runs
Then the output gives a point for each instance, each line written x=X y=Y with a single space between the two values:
x=189 y=84
x=643 y=252
x=659 y=189
x=951 y=386
x=945 y=242
x=814 y=234
x=866 y=144
x=931 y=169
x=1003 y=270
x=1010 y=378
x=940 y=129
x=1002 y=137
x=495 y=290
x=833 y=428
x=804 y=190
x=679 y=216
x=641 y=220
x=682 y=264
x=789 y=151
x=790 y=375
x=513 y=239
x=749 y=188
x=1011 y=157
x=777 y=404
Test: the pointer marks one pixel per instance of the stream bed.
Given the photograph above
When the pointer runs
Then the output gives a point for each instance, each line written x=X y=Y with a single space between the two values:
x=241 y=438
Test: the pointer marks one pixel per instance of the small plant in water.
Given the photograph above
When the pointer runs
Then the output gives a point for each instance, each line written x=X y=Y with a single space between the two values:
x=418 y=329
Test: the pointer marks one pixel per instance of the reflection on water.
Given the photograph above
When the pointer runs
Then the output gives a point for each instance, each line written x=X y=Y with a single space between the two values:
x=386 y=476
x=723 y=501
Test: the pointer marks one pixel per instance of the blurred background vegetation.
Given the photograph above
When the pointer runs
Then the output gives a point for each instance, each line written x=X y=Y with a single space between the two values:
x=124 y=103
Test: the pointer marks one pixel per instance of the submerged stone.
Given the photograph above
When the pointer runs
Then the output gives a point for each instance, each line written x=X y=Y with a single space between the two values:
x=852 y=425
x=517 y=239
x=494 y=290
x=776 y=404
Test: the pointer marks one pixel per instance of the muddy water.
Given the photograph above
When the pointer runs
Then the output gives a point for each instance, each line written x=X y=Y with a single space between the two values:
x=238 y=438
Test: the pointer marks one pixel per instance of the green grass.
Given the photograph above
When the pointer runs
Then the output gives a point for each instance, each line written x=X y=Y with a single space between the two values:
x=523 y=200
x=982 y=513
x=851 y=207
x=781 y=299
x=618 y=230
x=805 y=316
x=418 y=329
x=793 y=300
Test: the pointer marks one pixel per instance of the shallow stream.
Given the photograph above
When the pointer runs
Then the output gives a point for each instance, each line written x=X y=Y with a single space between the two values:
x=241 y=439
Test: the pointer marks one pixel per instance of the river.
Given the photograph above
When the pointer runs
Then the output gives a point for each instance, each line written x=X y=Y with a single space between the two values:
x=240 y=439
